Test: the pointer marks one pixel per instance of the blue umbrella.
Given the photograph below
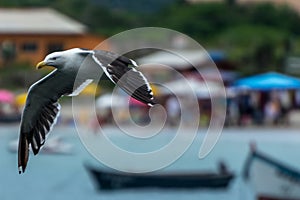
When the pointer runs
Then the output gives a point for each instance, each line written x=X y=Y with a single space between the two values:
x=269 y=81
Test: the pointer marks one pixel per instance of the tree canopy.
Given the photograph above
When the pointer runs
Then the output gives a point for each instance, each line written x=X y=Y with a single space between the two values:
x=257 y=36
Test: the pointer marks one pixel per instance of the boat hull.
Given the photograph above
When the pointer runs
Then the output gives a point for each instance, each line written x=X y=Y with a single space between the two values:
x=110 y=180
x=271 y=179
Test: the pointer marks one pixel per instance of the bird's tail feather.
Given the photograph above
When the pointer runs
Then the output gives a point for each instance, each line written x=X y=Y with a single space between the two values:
x=23 y=153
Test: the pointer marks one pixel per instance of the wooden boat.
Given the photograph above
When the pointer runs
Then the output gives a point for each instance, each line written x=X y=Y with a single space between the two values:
x=117 y=180
x=270 y=178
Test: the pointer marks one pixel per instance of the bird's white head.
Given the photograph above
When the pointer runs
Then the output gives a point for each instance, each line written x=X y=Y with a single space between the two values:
x=59 y=59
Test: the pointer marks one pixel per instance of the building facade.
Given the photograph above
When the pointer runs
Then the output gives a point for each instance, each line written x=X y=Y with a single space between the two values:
x=27 y=35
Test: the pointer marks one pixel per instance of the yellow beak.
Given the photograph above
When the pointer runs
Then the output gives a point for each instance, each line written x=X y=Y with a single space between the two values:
x=41 y=65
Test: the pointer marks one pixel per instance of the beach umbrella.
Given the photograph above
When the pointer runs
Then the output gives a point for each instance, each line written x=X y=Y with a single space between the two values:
x=202 y=89
x=6 y=96
x=268 y=81
x=111 y=100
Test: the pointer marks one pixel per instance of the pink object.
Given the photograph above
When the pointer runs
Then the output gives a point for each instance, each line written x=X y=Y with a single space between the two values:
x=6 y=96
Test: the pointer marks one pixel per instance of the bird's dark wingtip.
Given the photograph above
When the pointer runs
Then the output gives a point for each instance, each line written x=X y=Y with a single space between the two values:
x=35 y=151
x=23 y=152
x=152 y=102
x=21 y=169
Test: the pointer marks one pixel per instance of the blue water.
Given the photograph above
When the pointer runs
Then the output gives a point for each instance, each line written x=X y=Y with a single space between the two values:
x=63 y=177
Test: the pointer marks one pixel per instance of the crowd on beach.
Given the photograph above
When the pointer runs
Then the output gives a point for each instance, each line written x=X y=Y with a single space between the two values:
x=262 y=108
x=244 y=109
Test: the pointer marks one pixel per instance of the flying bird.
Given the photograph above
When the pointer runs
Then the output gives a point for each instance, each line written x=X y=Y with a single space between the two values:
x=42 y=108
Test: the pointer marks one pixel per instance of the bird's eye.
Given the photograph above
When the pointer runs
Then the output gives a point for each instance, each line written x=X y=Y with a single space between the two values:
x=54 y=58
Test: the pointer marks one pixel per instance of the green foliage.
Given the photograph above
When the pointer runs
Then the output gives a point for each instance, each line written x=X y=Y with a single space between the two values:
x=19 y=76
x=198 y=21
x=255 y=48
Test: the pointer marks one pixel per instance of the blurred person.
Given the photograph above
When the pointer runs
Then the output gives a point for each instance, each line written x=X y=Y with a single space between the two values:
x=103 y=117
x=233 y=113
x=257 y=113
x=173 y=110
x=286 y=105
x=272 y=111
x=244 y=108
x=297 y=98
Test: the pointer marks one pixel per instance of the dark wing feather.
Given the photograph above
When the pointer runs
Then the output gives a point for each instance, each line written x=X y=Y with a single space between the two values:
x=121 y=70
x=40 y=113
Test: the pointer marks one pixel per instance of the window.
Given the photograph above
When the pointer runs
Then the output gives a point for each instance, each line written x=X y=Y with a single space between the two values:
x=29 y=47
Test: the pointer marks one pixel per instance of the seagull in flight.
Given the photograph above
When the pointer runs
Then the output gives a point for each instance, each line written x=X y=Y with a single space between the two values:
x=42 y=108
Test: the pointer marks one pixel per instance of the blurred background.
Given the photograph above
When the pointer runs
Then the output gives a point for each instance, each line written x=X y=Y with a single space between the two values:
x=255 y=45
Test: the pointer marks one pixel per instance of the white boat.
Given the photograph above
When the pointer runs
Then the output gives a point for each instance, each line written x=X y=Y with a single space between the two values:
x=271 y=179
x=53 y=145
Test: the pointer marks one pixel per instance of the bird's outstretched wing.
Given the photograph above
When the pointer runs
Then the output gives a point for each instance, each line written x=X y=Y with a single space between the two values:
x=122 y=71
x=42 y=109
x=41 y=112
